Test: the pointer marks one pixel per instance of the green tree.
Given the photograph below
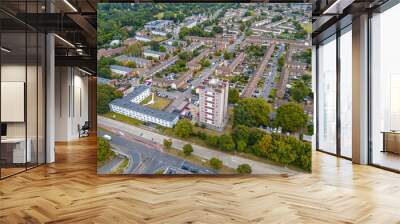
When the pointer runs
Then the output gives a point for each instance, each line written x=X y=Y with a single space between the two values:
x=217 y=29
x=103 y=67
x=212 y=140
x=299 y=90
x=183 y=128
x=263 y=146
x=241 y=146
x=241 y=133
x=105 y=94
x=154 y=45
x=244 y=169
x=291 y=117
x=228 y=55
x=216 y=163
x=167 y=143
x=255 y=135
x=135 y=50
x=163 y=49
x=103 y=149
x=226 y=143
x=187 y=149
x=130 y=64
x=282 y=152
x=251 y=112
x=233 y=96
x=205 y=63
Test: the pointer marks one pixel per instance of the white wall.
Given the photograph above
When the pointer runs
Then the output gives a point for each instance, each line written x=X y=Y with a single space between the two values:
x=71 y=103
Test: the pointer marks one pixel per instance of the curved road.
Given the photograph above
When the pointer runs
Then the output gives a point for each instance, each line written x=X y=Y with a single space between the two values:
x=228 y=159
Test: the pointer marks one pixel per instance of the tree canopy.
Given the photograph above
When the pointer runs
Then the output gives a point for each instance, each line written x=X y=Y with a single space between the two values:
x=291 y=117
x=105 y=94
x=299 y=90
x=183 y=128
x=233 y=95
x=251 y=112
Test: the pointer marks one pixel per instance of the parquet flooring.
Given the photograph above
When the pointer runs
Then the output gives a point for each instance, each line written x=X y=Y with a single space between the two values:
x=69 y=191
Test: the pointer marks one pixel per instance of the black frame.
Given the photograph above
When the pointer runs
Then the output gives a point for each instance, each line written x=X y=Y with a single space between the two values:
x=339 y=32
x=387 y=5
x=30 y=29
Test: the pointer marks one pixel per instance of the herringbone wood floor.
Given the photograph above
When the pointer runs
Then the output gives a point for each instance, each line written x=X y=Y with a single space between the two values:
x=69 y=191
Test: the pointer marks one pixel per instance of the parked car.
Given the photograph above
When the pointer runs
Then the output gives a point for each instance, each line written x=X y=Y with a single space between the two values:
x=107 y=137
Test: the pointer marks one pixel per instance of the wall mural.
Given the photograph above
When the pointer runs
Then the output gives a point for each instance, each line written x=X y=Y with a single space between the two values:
x=205 y=88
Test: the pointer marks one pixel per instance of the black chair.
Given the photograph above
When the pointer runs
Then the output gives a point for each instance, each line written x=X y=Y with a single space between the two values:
x=84 y=130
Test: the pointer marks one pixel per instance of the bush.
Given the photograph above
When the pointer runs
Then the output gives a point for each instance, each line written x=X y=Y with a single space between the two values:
x=251 y=112
x=226 y=143
x=241 y=133
x=244 y=169
x=183 y=129
x=105 y=94
x=241 y=146
x=103 y=149
x=291 y=117
x=187 y=149
x=233 y=96
x=212 y=140
x=216 y=163
x=167 y=143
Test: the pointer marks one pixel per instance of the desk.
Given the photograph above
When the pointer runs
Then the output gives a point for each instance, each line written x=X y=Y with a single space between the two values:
x=13 y=150
x=391 y=141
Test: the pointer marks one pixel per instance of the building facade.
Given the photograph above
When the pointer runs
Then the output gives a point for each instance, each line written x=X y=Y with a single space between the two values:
x=129 y=106
x=213 y=107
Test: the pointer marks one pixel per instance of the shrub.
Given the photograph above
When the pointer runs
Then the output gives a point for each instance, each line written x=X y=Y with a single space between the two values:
x=103 y=149
x=183 y=128
x=167 y=143
x=216 y=163
x=212 y=140
x=244 y=169
x=187 y=149
x=226 y=143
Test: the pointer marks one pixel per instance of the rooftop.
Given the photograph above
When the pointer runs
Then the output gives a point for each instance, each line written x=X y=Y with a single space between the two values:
x=137 y=91
x=121 y=68
x=137 y=60
x=154 y=52
x=126 y=103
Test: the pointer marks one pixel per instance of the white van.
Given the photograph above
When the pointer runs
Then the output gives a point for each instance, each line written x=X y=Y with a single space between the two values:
x=107 y=137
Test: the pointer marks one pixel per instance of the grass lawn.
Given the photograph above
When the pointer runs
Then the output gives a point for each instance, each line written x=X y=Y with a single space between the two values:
x=198 y=161
x=159 y=38
x=121 y=167
x=159 y=15
x=123 y=118
x=307 y=27
x=109 y=158
x=159 y=102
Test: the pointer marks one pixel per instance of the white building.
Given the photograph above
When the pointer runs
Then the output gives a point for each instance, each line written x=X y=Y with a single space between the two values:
x=115 y=43
x=213 y=107
x=140 y=93
x=154 y=54
x=120 y=70
x=129 y=106
x=142 y=38
x=159 y=33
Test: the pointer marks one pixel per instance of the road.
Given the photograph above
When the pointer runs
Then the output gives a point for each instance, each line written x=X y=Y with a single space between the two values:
x=252 y=84
x=285 y=73
x=110 y=165
x=269 y=80
x=229 y=160
x=145 y=158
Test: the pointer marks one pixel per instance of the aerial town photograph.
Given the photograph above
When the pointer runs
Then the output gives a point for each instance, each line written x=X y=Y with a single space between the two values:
x=205 y=88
